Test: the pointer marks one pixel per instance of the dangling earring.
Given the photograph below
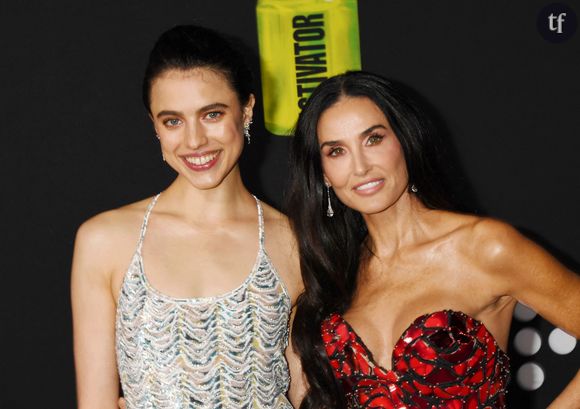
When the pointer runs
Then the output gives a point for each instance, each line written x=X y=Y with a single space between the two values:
x=413 y=188
x=329 y=210
x=247 y=130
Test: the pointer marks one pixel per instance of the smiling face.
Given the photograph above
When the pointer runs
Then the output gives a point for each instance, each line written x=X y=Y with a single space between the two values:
x=362 y=158
x=199 y=121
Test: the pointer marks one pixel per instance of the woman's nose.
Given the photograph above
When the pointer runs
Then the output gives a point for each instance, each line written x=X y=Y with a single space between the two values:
x=360 y=163
x=195 y=136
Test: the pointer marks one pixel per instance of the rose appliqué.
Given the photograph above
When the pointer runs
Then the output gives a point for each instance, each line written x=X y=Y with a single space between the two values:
x=449 y=357
x=444 y=359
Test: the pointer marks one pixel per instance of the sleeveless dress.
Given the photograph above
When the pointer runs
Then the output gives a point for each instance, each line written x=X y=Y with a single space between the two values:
x=445 y=359
x=216 y=352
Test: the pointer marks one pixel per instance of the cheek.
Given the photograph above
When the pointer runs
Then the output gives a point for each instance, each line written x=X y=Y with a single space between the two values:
x=170 y=140
x=228 y=132
x=336 y=171
x=397 y=163
x=390 y=158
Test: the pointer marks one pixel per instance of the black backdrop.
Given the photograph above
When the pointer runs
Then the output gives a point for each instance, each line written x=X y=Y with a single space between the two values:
x=76 y=141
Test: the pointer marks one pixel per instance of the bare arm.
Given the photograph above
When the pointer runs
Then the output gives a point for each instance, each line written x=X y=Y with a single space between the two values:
x=93 y=322
x=286 y=254
x=531 y=275
x=283 y=250
x=570 y=397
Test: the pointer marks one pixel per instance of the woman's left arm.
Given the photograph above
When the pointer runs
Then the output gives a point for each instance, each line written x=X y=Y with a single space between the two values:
x=531 y=275
x=570 y=397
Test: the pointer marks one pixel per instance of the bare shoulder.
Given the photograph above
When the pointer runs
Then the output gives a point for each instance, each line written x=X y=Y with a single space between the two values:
x=496 y=250
x=107 y=239
x=503 y=262
x=109 y=227
x=481 y=245
x=483 y=237
x=282 y=248
x=471 y=252
x=496 y=241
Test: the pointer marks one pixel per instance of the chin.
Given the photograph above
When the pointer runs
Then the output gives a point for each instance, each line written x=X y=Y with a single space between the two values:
x=205 y=186
x=370 y=210
x=367 y=208
x=204 y=182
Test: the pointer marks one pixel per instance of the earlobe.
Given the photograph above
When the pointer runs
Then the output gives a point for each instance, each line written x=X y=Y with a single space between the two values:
x=249 y=108
x=326 y=182
x=251 y=102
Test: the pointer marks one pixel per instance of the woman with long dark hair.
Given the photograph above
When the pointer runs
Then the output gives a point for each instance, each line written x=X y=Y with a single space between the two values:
x=176 y=296
x=407 y=303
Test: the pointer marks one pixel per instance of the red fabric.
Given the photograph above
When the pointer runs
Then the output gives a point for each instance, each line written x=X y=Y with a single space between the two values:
x=445 y=359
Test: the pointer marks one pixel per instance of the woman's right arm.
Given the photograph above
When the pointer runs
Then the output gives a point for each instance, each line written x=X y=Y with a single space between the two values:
x=93 y=308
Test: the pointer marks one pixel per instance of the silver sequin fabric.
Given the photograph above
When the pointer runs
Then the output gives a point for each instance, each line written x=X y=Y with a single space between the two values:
x=217 y=352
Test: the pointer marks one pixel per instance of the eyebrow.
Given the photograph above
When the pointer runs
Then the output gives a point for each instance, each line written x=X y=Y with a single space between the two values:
x=202 y=109
x=362 y=134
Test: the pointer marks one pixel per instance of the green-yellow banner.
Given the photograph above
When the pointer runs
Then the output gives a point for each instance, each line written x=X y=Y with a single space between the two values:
x=302 y=42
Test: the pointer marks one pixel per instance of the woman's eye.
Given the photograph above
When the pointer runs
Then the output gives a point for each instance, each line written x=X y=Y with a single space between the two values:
x=172 y=122
x=213 y=115
x=335 y=151
x=374 y=139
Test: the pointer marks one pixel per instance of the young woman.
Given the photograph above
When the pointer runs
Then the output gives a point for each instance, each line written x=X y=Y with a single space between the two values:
x=176 y=296
x=408 y=304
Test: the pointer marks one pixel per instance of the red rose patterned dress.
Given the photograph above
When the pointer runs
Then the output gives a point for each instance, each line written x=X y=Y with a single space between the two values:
x=444 y=359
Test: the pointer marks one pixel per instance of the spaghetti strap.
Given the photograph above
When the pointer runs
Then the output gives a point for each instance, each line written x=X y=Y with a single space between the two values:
x=260 y=222
x=146 y=221
x=145 y=325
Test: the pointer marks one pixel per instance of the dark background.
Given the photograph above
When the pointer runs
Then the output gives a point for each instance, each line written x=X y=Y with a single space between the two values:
x=77 y=141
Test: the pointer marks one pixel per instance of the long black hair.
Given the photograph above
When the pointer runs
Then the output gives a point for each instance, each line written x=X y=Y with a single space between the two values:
x=331 y=249
x=188 y=47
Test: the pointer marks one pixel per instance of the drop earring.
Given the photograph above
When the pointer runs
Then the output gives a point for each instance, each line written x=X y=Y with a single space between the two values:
x=329 y=210
x=247 y=130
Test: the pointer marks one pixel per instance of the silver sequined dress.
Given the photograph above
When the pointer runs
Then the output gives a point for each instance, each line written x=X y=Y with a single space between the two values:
x=215 y=352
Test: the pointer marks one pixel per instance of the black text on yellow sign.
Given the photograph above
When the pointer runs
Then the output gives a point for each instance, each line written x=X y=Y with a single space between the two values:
x=302 y=43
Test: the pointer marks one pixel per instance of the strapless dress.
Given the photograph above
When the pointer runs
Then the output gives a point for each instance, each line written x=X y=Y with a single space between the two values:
x=445 y=359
